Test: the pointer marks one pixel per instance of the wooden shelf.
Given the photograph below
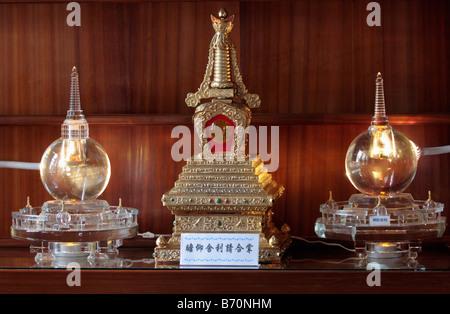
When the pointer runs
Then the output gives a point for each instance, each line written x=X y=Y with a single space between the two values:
x=309 y=269
x=21 y=281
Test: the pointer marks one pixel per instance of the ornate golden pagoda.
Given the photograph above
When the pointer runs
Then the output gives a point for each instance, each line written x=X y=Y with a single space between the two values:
x=233 y=193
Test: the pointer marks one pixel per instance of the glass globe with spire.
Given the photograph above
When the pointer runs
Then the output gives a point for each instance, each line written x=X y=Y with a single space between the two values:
x=75 y=167
x=381 y=161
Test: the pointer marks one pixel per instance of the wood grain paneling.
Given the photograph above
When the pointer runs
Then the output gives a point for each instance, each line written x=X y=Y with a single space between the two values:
x=322 y=57
x=132 y=58
x=140 y=57
x=312 y=62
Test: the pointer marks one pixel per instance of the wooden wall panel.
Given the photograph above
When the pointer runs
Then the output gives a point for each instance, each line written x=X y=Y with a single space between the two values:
x=133 y=58
x=312 y=62
x=322 y=57
x=141 y=57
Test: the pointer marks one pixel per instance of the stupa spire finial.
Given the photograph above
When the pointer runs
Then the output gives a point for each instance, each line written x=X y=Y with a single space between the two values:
x=379 y=117
x=223 y=14
x=75 y=112
x=75 y=126
x=222 y=78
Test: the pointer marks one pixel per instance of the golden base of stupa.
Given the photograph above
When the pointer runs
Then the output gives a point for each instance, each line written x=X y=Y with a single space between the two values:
x=224 y=197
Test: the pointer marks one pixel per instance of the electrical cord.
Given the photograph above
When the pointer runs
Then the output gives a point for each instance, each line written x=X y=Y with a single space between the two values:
x=127 y=262
x=324 y=243
x=350 y=259
x=428 y=151
x=150 y=235
x=19 y=165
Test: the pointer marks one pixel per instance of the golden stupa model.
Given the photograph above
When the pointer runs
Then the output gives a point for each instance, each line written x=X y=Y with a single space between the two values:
x=231 y=194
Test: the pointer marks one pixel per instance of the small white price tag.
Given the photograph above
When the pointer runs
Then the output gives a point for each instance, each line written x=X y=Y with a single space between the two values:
x=219 y=249
x=379 y=221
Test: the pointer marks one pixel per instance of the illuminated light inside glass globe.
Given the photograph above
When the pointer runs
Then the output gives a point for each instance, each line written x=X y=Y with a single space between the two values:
x=75 y=167
x=381 y=161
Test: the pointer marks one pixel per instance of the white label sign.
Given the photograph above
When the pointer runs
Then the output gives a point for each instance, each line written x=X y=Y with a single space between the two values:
x=379 y=220
x=219 y=249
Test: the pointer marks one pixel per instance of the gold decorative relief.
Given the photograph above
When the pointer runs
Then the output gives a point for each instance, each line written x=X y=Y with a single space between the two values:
x=226 y=194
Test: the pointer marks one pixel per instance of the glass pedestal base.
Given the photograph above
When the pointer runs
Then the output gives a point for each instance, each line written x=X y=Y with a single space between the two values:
x=85 y=254
x=89 y=232
x=406 y=222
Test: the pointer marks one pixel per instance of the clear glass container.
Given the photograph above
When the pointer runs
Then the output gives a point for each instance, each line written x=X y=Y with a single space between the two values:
x=381 y=161
x=75 y=169
x=383 y=221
